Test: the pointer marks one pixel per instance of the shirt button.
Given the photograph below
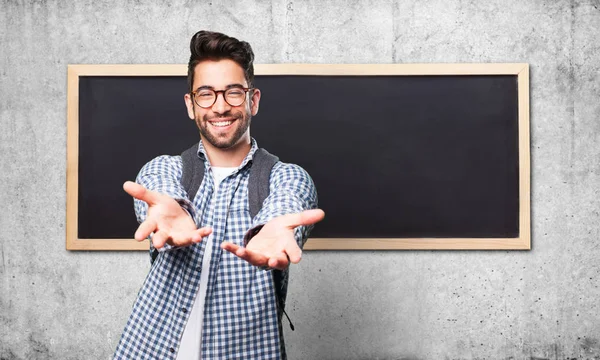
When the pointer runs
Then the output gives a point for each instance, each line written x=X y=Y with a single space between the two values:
x=184 y=310
x=172 y=350
x=198 y=268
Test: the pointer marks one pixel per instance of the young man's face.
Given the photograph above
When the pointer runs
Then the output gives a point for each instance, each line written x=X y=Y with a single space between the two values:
x=222 y=125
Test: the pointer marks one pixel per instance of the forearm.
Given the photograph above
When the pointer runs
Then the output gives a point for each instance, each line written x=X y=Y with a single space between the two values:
x=162 y=175
x=291 y=191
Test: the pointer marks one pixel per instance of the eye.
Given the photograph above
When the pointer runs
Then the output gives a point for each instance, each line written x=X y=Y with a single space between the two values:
x=235 y=92
x=205 y=94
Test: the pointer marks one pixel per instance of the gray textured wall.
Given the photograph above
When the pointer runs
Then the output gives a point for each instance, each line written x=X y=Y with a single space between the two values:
x=542 y=303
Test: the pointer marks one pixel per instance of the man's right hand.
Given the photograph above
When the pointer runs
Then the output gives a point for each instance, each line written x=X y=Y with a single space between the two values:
x=169 y=222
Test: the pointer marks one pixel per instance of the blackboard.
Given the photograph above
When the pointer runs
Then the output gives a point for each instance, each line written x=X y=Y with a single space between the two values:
x=432 y=158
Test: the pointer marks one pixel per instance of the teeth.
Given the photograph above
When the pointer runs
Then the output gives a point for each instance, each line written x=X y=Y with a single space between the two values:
x=222 y=123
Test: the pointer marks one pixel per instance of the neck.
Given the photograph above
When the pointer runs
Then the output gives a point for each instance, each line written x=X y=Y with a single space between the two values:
x=230 y=157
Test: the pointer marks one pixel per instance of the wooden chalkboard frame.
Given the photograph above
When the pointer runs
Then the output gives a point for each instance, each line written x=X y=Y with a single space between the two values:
x=521 y=70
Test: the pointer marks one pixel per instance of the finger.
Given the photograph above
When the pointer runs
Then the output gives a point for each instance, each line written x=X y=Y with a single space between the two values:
x=279 y=262
x=293 y=252
x=306 y=217
x=201 y=233
x=184 y=238
x=229 y=246
x=145 y=229
x=141 y=193
x=250 y=256
x=159 y=239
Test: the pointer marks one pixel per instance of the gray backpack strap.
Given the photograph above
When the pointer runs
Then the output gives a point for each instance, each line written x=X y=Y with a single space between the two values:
x=193 y=173
x=258 y=191
x=258 y=180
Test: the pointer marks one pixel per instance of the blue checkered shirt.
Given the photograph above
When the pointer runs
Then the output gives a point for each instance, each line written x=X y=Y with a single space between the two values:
x=240 y=315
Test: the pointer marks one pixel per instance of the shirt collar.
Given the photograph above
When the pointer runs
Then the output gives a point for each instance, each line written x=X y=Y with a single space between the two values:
x=247 y=159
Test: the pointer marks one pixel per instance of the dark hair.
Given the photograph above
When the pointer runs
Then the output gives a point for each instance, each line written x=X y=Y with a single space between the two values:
x=208 y=45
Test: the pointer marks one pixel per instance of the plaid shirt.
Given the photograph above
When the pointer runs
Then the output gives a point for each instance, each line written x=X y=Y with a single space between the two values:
x=240 y=315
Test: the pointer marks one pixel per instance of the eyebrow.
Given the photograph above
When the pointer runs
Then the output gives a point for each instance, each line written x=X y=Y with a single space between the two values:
x=203 y=87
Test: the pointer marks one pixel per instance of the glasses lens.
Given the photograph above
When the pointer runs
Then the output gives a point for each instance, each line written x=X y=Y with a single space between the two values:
x=205 y=98
x=235 y=97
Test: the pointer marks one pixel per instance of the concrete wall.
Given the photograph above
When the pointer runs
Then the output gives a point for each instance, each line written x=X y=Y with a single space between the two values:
x=542 y=303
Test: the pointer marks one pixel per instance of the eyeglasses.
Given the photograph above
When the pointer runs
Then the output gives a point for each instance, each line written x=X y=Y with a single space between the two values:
x=206 y=98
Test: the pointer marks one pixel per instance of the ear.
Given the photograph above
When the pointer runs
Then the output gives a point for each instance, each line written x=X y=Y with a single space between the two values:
x=254 y=101
x=189 y=103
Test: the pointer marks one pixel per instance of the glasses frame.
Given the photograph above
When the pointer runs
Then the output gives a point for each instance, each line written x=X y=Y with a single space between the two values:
x=224 y=97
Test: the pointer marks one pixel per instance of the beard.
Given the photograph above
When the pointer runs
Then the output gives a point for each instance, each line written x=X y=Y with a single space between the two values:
x=224 y=139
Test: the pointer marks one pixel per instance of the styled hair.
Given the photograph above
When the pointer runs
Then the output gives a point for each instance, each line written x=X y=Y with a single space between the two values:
x=208 y=45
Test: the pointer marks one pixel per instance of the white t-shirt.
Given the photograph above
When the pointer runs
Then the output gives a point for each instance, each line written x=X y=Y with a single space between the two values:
x=191 y=340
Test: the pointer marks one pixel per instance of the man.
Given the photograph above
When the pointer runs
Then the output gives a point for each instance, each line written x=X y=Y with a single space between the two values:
x=210 y=292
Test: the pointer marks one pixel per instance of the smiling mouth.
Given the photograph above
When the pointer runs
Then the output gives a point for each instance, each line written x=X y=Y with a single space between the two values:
x=221 y=123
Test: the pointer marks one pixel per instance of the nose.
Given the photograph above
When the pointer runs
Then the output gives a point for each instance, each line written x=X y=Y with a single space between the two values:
x=220 y=106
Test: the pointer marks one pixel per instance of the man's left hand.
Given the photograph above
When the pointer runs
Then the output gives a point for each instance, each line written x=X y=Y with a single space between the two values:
x=275 y=245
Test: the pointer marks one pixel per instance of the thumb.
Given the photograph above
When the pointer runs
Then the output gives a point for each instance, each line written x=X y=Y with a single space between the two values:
x=141 y=193
x=306 y=217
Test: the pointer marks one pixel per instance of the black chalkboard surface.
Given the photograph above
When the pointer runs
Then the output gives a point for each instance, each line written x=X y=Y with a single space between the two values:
x=398 y=159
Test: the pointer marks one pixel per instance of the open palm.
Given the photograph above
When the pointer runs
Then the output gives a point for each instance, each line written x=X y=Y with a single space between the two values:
x=166 y=219
x=275 y=245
